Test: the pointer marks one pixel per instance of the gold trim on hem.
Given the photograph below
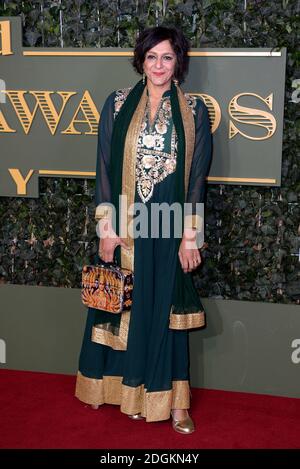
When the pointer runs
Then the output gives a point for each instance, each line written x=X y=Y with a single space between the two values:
x=104 y=333
x=154 y=406
x=187 y=321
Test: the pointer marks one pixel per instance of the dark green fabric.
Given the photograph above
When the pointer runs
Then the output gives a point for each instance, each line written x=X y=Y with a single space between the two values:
x=185 y=297
x=156 y=355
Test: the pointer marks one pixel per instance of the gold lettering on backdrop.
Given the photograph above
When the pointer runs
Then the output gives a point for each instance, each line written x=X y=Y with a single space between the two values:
x=5 y=38
x=47 y=107
x=4 y=127
x=248 y=115
x=42 y=101
x=213 y=108
x=21 y=183
x=89 y=110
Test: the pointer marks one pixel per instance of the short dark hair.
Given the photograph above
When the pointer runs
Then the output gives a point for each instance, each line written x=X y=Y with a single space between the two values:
x=152 y=36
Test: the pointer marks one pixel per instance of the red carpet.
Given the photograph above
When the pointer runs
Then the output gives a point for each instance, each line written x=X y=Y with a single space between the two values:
x=39 y=410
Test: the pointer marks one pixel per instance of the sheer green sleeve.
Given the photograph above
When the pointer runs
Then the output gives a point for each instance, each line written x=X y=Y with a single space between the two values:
x=105 y=127
x=201 y=161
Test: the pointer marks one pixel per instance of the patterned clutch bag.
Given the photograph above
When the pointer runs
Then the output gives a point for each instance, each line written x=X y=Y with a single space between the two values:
x=107 y=287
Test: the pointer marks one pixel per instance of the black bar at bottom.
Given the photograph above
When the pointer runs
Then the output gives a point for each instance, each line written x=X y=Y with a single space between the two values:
x=132 y=458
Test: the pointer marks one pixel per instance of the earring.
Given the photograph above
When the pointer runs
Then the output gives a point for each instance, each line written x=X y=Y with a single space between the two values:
x=175 y=82
x=143 y=78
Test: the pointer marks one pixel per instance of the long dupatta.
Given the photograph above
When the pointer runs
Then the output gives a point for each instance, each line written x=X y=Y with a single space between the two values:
x=186 y=311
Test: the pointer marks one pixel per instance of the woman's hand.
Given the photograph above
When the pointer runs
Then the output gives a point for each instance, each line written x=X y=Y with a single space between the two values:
x=189 y=253
x=109 y=240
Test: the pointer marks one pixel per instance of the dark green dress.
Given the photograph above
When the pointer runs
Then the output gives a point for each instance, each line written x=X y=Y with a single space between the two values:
x=152 y=375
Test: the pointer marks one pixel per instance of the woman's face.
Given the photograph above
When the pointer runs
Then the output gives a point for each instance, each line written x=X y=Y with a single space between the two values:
x=159 y=64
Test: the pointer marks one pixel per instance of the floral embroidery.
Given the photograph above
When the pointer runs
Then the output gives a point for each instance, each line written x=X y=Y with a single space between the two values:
x=154 y=161
x=157 y=143
x=152 y=167
x=192 y=102
x=120 y=98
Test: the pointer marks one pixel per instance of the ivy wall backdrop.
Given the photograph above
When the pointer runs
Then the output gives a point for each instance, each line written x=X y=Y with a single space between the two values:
x=252 y=249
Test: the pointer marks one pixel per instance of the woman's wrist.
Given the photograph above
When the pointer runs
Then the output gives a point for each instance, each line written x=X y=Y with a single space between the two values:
x=103 y=211
x=105 y=228
x=190 y=233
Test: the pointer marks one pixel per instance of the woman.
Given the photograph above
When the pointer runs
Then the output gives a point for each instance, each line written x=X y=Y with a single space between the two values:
x=154 y=147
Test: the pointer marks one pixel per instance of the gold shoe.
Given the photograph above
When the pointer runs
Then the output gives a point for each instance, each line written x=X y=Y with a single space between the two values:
x=185 y=425
x=136 y=417
x=94 y=406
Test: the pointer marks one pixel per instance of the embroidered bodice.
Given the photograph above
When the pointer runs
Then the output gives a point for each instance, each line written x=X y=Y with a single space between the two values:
x=157 y=143
x=157 y=148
